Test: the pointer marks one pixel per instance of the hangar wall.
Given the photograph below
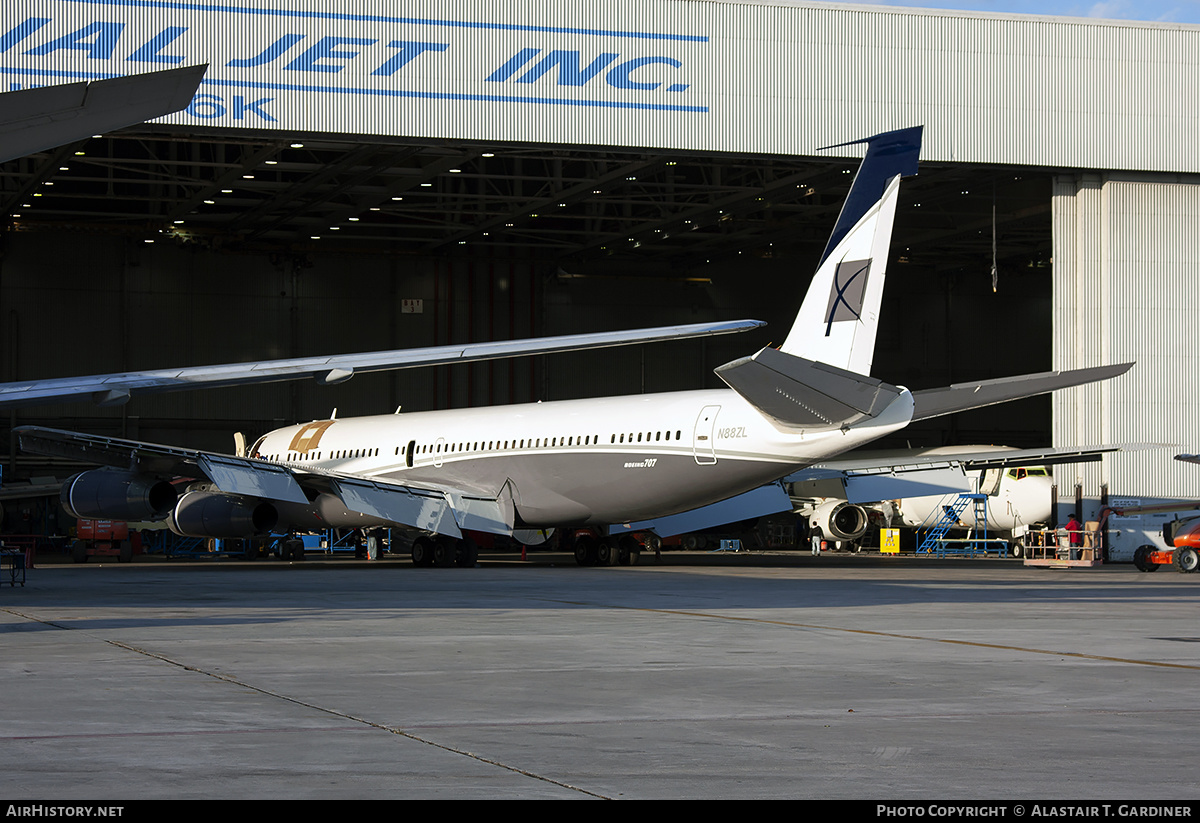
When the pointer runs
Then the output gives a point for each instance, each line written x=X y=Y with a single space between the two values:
x=1125 y=272
x=707 y=75
x=100 y=304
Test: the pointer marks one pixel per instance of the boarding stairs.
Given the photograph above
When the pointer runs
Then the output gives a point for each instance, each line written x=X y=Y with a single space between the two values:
x=935 y=540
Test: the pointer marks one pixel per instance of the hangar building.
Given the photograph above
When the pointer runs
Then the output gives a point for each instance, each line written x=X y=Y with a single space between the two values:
x=364 y=175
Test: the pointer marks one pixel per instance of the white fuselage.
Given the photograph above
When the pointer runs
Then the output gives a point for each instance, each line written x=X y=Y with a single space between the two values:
x=578 y=462
x=1019 y=499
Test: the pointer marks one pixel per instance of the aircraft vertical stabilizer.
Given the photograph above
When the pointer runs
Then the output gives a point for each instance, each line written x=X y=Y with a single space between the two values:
x=839 y=318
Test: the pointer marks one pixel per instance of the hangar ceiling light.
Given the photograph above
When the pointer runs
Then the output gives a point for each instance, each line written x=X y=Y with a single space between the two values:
x=122 y=182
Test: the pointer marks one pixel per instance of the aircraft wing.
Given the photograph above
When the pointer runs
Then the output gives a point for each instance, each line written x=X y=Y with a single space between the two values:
x=869 y=477
x=115 y=389
x=41 y=118
x=428 y=507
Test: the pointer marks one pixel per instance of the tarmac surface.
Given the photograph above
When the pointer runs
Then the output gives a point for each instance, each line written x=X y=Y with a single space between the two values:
x=740 y=676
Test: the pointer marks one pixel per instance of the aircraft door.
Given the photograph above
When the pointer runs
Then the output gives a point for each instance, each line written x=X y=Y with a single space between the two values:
x=439 y=449
x=408 y=454
x=989 y=483
x=704 y=445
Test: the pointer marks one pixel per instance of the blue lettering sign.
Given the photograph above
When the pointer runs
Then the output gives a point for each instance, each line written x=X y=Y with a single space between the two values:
x=207 y=107
x=569 y=71
x=268 y=54
x=326 y=48
x=105 y=36
x=212 y=106
x=21 y=31
x=409 y=51
x=515 y=62
x=149 y=53
x=240 y=107
x=619 y=76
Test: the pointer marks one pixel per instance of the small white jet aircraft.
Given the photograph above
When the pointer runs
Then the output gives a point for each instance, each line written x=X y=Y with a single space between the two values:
x=670 y=462
x=1018 y=493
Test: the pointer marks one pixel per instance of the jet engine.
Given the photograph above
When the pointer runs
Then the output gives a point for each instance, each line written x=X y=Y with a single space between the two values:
x=840 y=520
x=109 y=494
x=212 y=514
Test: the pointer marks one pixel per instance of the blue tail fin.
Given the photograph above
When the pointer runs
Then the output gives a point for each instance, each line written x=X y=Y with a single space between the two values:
x=839 y=318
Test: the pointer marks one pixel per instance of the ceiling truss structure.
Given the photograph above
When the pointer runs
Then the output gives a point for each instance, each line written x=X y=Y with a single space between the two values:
x=279 y=194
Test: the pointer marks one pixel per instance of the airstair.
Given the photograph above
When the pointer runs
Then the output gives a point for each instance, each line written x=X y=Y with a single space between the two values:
x=935 y=541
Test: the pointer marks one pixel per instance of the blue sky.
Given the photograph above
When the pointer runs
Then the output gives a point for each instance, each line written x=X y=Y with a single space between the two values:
x=1169 y=11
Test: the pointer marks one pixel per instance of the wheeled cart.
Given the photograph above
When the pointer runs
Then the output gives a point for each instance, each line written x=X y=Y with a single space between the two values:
x=12 y=567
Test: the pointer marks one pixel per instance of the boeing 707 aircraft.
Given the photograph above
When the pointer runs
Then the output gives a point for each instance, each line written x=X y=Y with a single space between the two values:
x=660 y=462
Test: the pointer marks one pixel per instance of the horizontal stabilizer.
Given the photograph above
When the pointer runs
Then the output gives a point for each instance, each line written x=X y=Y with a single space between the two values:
x=965 y=396
x=803 y=393
x=760 y=502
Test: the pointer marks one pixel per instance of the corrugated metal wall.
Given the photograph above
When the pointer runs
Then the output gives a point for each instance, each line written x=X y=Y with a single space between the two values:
x=1126 y=287
x=708 y=75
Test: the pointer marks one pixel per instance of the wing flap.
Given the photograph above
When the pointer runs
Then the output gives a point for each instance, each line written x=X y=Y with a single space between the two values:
x=436 y=509
x=421 y=509
x=251 y=478
x=769 y=499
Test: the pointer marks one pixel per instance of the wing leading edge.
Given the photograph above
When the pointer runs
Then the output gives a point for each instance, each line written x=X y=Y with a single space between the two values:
x=115 y=389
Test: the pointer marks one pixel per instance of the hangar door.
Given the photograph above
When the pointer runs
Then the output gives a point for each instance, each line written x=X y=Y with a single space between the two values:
x=1126 y=287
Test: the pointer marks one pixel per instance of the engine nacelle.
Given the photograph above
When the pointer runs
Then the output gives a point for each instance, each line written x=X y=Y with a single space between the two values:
x=840 y=520
x=109 y=494
x=532 y=537
x=212 y=514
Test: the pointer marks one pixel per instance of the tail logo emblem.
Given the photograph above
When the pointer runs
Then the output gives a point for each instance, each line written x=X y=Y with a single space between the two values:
x=848 y=292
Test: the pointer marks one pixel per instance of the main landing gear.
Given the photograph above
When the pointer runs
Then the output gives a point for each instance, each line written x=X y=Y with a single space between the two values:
x=444 y=552
x=592 y=550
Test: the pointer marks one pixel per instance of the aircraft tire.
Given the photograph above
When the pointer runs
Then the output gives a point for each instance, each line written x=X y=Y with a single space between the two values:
x=444 y=552
x=605 y=553
x=294 y=549
x=125 y=552
x=585 y=551
x=1186 y=559
x=79 y=552
x=628 y=551
x=1141 y=560
x=466 y=554
x=422 y=552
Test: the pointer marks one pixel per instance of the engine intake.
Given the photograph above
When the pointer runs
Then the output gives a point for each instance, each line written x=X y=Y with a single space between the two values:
x=109 y=494
x=212 y=514
x=840 y=520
